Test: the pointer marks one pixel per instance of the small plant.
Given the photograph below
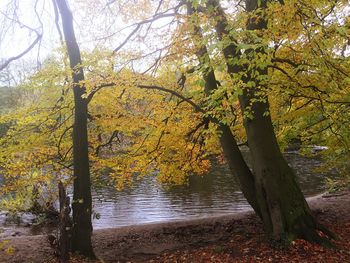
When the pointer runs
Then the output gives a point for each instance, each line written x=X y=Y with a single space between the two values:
x=219 y=249
x=4 y=245
x=338 y=185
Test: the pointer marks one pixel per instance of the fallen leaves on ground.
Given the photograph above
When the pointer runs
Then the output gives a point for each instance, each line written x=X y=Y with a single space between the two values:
x=251 y=245
x=254 y=247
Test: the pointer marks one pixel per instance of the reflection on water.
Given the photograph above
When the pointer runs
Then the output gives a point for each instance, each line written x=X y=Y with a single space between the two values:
x=147 y=201
x=212 y=194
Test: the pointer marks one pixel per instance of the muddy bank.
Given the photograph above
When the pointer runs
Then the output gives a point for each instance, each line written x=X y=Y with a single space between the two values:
x=142 y=242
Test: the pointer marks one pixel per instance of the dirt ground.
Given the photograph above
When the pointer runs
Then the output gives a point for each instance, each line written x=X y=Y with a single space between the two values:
x=230 y=238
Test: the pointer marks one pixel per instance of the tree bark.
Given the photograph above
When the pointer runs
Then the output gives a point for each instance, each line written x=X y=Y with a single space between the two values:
x=284 y=211
x=82 y=201
x=232 y=153
x=65 y=224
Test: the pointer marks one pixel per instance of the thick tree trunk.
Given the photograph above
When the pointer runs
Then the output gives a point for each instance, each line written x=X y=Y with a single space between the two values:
x=81 y=204
x=232 y=153
x=284 y=211
x=286 y=214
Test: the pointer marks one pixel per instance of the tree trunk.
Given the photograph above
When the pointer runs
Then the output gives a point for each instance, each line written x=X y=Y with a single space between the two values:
x=284 y=211
x=81 y=204
x=65 y=224
x=232 y=153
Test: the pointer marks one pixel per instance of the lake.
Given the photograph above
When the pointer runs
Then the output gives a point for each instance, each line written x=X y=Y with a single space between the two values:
x=212 y=194
x=216 y=193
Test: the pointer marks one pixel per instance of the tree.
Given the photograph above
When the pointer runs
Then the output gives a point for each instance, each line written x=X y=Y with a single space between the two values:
x=285 y=217
x=228 y=142
x=283 y=208
x=82 y=201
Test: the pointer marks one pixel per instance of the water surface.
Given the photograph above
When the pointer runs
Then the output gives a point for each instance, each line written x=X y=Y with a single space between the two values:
x=212 y=194
x=216 y=193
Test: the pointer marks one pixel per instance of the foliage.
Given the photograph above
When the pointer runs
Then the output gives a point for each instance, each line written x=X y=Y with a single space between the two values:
x=132 y=131
x=135 y=131
x=6 y=247
x=310 y=75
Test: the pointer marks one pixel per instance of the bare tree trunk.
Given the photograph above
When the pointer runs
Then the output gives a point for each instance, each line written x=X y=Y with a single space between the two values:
x=81 y=204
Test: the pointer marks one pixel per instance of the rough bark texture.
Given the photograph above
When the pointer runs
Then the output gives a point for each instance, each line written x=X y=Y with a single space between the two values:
x=283 y=208
x=81 y=204
x=285 y=213
x=232 y=153
x=65 y=224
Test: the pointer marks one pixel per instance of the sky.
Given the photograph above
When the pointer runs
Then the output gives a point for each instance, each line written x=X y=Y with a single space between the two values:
x=94 y=20
x=91 y=28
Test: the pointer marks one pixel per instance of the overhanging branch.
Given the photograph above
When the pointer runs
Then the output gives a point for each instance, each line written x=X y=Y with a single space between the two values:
x=189 y=101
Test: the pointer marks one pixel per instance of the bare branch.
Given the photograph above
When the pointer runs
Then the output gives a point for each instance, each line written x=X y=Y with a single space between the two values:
x=138 y=26
x=176 y=94
x=29 y=48
x=93 y=92
x=62 y=157
x=57 y=21
x=110 y=140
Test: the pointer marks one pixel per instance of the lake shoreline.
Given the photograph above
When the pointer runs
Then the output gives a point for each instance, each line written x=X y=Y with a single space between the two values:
x=143 y=242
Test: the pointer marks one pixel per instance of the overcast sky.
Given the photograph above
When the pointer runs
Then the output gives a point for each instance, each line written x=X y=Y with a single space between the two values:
x=96 y=24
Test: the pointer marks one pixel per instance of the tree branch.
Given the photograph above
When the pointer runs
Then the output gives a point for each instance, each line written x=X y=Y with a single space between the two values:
x=30 y=47
x=146 y=21
x=176 y=94
x=110 y=140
